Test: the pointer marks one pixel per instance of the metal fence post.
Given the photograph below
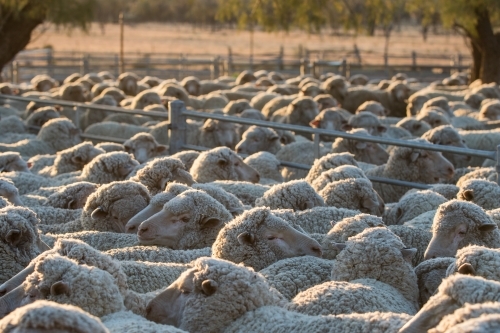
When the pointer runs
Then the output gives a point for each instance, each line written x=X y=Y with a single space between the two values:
x=178 y=126
x=498 y=165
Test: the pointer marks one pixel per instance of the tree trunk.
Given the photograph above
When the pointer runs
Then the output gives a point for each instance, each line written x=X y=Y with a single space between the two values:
x=489 y=46
x=16 y=28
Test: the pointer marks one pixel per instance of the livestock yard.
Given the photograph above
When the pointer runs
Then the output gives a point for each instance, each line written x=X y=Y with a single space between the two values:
x=325 y=198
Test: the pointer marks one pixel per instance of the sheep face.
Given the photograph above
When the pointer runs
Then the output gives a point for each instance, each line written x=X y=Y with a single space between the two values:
x=13 y=162
x=257 y=139
x=144 y=149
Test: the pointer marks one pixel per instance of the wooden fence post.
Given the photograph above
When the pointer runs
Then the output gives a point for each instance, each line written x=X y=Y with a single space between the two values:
x=177 y=127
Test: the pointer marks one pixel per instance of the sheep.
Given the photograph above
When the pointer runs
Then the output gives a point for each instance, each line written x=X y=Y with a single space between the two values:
x=72 y=159
x=410 y=164
x=267 y=165
x=339 y=173
x=301 y=111
x=293 y=275
x=144 y=147
x=55 y=135
x=20 y=240
x=460 y=223
x=296 y=195
x=67 y=282
x=446 y=135
x=453 y=293
x=201 y=216
x=412 y=205
x=473 y=318
x=258 y=238
x=47 y=316
x=12 y=162
x=159 y=172
x=368 y=152
x=256 y=139
x=221 y=164
x=107 y=209
x=244 y=191
x=430 y=273
x=483 y=193
x=414 y=126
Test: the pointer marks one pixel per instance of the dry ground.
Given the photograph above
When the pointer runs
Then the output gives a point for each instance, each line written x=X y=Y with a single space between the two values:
x=166 y=38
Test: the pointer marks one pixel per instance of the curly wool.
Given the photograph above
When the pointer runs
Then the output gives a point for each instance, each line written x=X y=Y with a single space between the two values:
x=353 y=193
x=266 y=164
x=14 y=259
x=71 y=196
x=295 y=194
x=384 y=248
x=239 y=290
x=483 y=193
x=284 y=321
x=245 y=191
x=158 y=254
x=485 y=262
x=84 y=281
x=339 y=173
x=478 y=312
x=160 y=171
x=72 y=159
x=293 y=275
x=430 y=273
x=48 y=315
x=328 y=162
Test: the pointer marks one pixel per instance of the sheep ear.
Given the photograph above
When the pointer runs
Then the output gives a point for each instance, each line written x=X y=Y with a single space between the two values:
x=361 y=145
x=468 y=195
x=466 y=269
x=98 y=213
x=209 y=287
x=314 y=123
x=13 y=237
x=60 y=288
x=408 y=254
x=76 y=160
x=414 y=156
x=161 y=148
x=246 y=238
x=339 y=246
x=488 y=227
x=209 y=222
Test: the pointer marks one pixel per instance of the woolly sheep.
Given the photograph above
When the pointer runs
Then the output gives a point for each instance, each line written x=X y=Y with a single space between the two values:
x=453 y=293
x=353 y=193
x=258 y=238
x=201 y=217
x=410 y=164
x=46 y=316
x=367 y=152
x=222 y=164
x=430 y=273
x=483 y=193
x=460 y=223
x=448 y=136
x=55 y=135
x=257 y=139
x=296 y=195
x=12 y=162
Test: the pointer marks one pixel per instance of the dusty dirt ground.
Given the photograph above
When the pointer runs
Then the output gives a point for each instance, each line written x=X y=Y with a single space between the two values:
x=170 y=38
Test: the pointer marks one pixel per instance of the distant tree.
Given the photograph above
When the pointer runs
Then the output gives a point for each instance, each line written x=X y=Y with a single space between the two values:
x=18 y=19
x=475 y=20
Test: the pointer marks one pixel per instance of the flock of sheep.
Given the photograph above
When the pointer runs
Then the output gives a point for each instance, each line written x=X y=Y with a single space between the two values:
x=114 y=237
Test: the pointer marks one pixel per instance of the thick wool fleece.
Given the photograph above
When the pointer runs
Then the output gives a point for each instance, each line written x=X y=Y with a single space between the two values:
x=46 y=315
x=346 y=228
x=356 y=296
x=71 y=196
x=353 y=193
x=200 y=205
x=483 y=193
x=72 y=159
x=385 y=262
x=245 y=191
x=266 y=164
x=481 y=261
x=158 y=254
x=13 y=258
x=316 y=220
x=91 y=289
x=328 y=162
x=293 y=275
x=239 y=290
x=126 y=321
x=412 y=205
x=464 y=315
x=454 y=212
x=430 y=274
x=161 y=171
x=339 y=173
x=295 y=194
x=284 y=321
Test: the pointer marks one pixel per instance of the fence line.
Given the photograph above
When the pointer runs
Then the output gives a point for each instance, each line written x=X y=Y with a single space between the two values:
x=177 y=128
